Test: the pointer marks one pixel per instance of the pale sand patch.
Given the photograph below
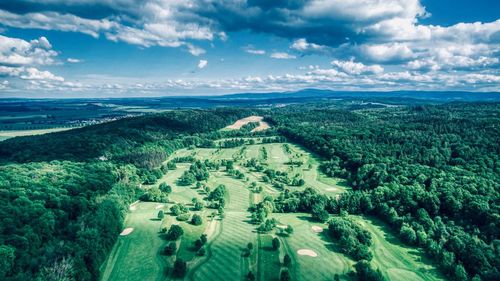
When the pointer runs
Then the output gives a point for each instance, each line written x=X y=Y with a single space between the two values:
x=330 y=189
x=132 y=206
x=281 y=226
x=307 y=252
x=126 y=231
x=239 y=123
x=317 y=229
x=262 y=126
x=159 y=206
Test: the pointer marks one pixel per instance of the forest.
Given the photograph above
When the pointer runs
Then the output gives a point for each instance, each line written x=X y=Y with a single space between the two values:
x=65 y=195
x=431 y=172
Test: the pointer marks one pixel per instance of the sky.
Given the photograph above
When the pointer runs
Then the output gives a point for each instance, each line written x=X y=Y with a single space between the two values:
x=132 y=48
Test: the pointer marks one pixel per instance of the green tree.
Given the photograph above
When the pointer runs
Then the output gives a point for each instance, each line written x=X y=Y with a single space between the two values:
x=175 y=232
x=285 y=276
x=180 y=268
x=7 y=257
x=161 y=215
x=196 y=219
x=170 y=249
x=287 y=260
x=276 y=243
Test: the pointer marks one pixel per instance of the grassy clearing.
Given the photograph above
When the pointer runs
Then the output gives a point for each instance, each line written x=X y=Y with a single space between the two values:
x=326 y=264
x=137 y=253
x=395 y=260
x=135 y=256
x=21 y=133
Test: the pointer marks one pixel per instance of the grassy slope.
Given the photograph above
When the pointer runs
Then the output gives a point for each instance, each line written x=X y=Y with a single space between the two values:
x=134 y=256
x=395 y=260
x=228 y=237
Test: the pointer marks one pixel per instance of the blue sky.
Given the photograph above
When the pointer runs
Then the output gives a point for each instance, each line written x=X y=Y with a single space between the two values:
x=111 y=48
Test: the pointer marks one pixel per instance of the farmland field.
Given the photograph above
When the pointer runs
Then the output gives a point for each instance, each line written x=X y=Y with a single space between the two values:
x=229 y=236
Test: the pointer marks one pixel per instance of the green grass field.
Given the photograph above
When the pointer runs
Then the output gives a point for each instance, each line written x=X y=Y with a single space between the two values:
x=136 y=256
x=21 y=133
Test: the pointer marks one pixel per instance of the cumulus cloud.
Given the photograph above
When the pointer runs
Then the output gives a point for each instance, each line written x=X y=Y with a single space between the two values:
x=282 y=56
x=14 y=51
x=32 y=73
x=356 y=68
x=202 y=64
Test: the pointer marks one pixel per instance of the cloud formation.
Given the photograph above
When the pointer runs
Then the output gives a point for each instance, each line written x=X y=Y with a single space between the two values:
x=202 y=64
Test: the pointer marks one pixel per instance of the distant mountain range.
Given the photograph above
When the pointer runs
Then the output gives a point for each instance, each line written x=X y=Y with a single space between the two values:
x=317 y=93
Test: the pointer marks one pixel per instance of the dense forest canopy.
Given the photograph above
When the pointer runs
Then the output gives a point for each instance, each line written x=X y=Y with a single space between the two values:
x=432 y=172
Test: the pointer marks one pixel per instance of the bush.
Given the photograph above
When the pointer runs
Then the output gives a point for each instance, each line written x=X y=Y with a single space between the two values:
x=276 y=243
x=201 y=252
x=180 y=268
x=175 y=232
x=196 y=219
x=366 y=273
x=161 y=215
x=183 y=217
x=170 y=249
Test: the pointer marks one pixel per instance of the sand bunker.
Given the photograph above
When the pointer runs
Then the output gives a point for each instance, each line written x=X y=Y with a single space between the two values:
x=307 y=252
x=330 y=189
x=127 y=231
x=317 y=229
x=159 y=206
x=262 y=126
x=281 y=226
x=132 y=206
x=238 y=124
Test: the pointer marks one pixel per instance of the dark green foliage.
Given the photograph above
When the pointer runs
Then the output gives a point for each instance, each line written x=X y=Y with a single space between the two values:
x=154 y=194
x=365 y=272
x=196 y=219
x=287 y=260
x=276 y=243
x=175 y=232
x=165 y=188
x=161 y=215
x=430 y=172
x=170 y=249
x=351 y=238
x=250 y=276
x=285 y=275
x=180 y=268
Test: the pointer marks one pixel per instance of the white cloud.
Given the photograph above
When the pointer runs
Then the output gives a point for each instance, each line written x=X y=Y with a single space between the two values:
x=14 y=51
x=281 y=55
x=32 y=73
x=356 y=68
x=195 y=51
x=202 y=64
x=73 y=60
x=251 y=50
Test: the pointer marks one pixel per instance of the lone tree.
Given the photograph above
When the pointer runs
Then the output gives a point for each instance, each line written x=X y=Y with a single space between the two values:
x=289 y=230
x=287 y=260
x=276 y=243
x=250 y=246
x=165 y=188
x=161 y=215
x=196 y=219
x=175 y=232
x=170 y=249
x=203 y=239
x=250 y=276
x=180 y=268
x=285 y=276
